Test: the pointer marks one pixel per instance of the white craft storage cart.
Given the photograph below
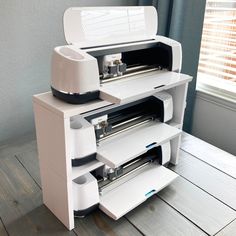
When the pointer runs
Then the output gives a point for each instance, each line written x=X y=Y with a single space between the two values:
x=52 y=119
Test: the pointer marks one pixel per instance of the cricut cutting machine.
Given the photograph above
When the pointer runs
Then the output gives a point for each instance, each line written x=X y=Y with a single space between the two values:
x=133 y=143
x=112 y=44
x=110 y=148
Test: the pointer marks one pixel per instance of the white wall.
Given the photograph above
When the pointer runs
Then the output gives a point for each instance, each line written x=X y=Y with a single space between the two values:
x=214 y=120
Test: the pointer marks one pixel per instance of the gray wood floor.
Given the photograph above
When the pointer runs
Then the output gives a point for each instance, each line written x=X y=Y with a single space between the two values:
x=202 y=201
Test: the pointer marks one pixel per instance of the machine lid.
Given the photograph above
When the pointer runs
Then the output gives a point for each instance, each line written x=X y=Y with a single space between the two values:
x=99 y=26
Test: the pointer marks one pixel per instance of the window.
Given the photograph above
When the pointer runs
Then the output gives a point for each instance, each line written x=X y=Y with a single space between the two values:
x=217 y=64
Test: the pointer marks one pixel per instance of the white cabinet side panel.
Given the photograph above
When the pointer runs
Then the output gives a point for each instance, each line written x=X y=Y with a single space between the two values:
x=57 y=196
x=175 y=145
x=51 y=132
x=55 y=163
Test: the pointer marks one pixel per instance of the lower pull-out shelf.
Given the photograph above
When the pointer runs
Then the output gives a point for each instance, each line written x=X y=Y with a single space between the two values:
x=124 y=147
x=125 y=196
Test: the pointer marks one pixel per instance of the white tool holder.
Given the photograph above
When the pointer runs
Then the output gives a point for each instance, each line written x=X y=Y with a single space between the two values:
x=85 y=194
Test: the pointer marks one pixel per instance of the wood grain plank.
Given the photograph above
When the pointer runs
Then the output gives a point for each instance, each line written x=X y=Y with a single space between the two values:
x=39 y=221
x=13 y=147
x=213 y=181
x=96 y=223
x=155 y=217
x=3 y=232
x=199 y=207
x=210 y=154
x=29 y=159
x=229 y=230
x=18 y=193
x=99 y=224
x=21 y=208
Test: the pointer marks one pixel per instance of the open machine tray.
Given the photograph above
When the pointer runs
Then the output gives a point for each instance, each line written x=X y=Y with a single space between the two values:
x=139 y=86
x=124 y=197
x=124 y=147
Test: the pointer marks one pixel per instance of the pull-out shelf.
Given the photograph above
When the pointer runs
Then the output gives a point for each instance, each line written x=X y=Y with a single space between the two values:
x=126 y=196
x=124 y=147
x=139 y=86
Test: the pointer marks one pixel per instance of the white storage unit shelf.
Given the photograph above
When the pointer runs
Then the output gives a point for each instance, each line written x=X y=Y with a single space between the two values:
x=53 y=119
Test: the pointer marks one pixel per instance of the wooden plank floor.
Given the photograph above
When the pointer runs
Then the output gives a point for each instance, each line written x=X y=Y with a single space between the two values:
x=202 y=201
x=209 y=154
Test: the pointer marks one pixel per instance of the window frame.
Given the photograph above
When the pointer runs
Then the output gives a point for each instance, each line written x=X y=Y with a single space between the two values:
x=219 y=87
